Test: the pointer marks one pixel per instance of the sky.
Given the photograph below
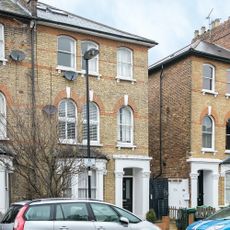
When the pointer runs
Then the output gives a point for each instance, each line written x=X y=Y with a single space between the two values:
x=171 y=23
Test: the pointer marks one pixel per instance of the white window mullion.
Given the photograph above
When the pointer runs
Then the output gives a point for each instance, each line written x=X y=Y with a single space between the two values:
x=2 y=43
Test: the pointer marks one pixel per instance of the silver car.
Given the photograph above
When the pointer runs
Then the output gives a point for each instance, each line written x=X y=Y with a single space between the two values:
x=68 y=214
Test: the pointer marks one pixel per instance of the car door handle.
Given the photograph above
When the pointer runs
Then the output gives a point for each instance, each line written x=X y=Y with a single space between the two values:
x=100 y=228
x=64 y=228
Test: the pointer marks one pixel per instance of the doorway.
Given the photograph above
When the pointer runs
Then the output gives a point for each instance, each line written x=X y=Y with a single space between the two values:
x=128 y=193
x=200 y=188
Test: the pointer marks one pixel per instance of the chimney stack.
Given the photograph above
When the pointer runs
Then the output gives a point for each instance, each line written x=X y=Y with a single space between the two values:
x=30 y=5
x=196 y=33
x=202 y=30
x=217 y=22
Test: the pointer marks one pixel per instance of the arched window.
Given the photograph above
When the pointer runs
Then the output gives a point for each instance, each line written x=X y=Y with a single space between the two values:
x=208 y=133
x=2 y=43
x=66 y=52
x=124 y=63
x=94 y=123
x=2 y=116
x=227 y=188
x=125 y=126
x=208 y=77
x=93 y=63
x=67 y=121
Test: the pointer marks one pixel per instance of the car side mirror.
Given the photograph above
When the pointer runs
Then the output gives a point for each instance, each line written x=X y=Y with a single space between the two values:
x=124 y=220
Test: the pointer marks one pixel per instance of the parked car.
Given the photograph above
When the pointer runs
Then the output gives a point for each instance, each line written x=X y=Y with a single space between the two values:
x=68 y=214
x=218 y=221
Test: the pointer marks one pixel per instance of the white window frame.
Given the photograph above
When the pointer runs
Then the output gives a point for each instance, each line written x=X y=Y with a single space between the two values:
x=66 y=119
x=72 y=66
x=225 y=188
x=119 y=63
x=3 y=133
x=2 y=44
x=227 y=83
x=212 y=149
x=210 y=91
x=94 y=122
x=119 y=124
x=85 y=188
x=94 y=45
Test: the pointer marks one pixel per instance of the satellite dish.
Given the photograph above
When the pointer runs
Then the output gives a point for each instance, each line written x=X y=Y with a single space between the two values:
x=70 y=75
x=50 y=109
x=17 y=55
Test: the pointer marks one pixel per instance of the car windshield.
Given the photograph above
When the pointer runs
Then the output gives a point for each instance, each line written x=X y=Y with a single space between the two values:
x=222 y=214
x=11 y=214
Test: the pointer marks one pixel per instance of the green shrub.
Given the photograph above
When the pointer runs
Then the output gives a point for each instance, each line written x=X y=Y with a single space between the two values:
x=151 y=216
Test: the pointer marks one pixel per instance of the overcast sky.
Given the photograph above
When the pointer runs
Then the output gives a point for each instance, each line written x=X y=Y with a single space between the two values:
x=171 y=23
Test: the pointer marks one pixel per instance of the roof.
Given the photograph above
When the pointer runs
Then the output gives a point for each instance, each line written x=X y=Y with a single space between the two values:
x=55 y=17
x=12 y=7
x=199 y=48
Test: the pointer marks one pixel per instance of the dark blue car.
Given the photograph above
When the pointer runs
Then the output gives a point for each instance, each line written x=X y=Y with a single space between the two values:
x=218 y=221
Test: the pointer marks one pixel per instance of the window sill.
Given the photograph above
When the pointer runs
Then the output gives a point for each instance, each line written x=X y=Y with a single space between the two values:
x=67 y=142
x=3 y=60
x=65 y=68
x=227 y=151
x=125 y=146
x=92 y=144
x=2 y=138
x=91 y=74
x=208 y=151
x=125 y=79
x=205 y=91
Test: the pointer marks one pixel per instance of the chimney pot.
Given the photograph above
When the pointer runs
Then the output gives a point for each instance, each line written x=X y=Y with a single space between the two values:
x=196 y=33
x=217 y=22
x=202 y=30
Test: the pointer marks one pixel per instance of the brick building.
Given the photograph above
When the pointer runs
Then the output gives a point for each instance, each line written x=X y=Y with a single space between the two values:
x=189 y=120
x=53 y=42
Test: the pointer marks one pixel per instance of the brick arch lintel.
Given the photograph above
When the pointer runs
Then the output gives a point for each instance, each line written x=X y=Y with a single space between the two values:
x=205 y=113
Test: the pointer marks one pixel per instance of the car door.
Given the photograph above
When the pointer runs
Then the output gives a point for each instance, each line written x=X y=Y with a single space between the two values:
x=72 y=216
x=39 y=217
x=106 y=218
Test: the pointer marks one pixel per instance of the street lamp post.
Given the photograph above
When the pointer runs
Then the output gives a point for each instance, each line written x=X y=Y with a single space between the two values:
x=88 y=55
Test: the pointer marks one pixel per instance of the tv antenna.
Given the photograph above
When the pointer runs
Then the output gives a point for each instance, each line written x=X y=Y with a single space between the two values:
x=209 y=18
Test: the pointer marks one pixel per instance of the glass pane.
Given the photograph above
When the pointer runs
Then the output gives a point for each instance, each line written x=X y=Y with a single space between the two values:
x=129 y=216
x=41 y=212
x=65 y=44
x=228 y=142
x=1 y=49
x=207 y=125
x=228 y=88
x=207 y=71
x=64 y=59
x=207 y=84
x=70 y=130
x=207 y=141
x=104 y=213
x=62 y=133
x=75 y=212
x=93 y=132
x=70 y=109
x=61 y=109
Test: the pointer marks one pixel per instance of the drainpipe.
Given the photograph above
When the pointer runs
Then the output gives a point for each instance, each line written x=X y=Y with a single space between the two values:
x=160 y=124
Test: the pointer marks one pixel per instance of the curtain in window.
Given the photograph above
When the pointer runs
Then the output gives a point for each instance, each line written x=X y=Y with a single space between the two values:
x=207 y=132
x=227 y=188
x=66 y=51
x=2 y=55
x=125 y=125
x=83 y=184
x=124 y=65
x=2 y=116
x=93 y=63
x=94 y=122
x=67 y=120
x=208 y=77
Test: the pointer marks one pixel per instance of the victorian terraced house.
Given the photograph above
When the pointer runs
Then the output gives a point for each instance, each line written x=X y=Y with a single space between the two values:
x=189 y=97
x=54 y=42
